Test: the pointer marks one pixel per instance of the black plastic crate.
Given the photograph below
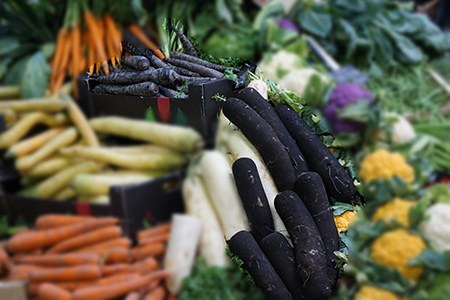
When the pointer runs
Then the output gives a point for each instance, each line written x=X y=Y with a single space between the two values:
x=199 y=110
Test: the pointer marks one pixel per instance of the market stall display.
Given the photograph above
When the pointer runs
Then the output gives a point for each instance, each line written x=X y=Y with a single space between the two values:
x=300 y=179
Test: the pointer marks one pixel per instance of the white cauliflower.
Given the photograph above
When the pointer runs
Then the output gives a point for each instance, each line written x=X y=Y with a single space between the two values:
x=436 y=229
x=297 y=80
x=278 y=65
x=402 y=131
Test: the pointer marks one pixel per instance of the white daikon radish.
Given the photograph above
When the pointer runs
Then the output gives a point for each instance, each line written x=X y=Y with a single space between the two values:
x=212 y=241
x=236 y=145
x=218 y=180
x=181 y=249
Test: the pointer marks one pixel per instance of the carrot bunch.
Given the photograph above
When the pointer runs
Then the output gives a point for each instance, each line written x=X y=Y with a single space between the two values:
x=83 y=40
x=83 y=257
x=89 y=42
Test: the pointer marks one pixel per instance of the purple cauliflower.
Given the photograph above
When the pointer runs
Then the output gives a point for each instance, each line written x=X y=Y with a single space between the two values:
x=341 y=96
x=287 y=24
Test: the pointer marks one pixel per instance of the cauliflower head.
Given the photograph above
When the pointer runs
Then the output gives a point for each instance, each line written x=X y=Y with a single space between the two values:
x=278 y=65
x=297 y=80
x=395 y=249
x=436 y=229
x=402 y=131
x=382 y=164
x=369 y=292
x=344 y=220
x=398 y=210
x=341 y=96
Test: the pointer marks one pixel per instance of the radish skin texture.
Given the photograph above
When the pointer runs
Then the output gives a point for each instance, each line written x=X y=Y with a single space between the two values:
x=236 y=145
x=182 y=139
x=258 y=266
x=337 y=181
x=181 y=249
x=311 y=190
x=282 y=257
x=264 y=138
x=267 y=112
x=253 y=198
x=309 y=249
x=218 y=180
x=212 y=243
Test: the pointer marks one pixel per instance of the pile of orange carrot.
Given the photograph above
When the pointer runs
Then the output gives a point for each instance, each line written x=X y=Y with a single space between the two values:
x=87 y=42
x=84 y=258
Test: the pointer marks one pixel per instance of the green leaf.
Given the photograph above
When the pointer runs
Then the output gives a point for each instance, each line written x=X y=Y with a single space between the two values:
x=223 y=12
x=14 y=75
x=440 y=289
x=433 y=260
x=4 y=64
x=352 y=36
x=270 y=10
x=339 y=208
x=356 y=111
x=8 y=45
x=34 y=81
x=318 y=24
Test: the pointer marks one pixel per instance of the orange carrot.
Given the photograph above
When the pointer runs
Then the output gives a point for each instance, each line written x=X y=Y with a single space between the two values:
x=146 y=266
x=172 y=297
x=133 y=296
x=84 y=272
x=21 y=272
x=155 y=230
x=141 y=252
x=117 y=278
x=3 y=257
x=108 y=270
x=86 y=239
x=76 y=45
x=96 y=37
x=119 y=242
x=61 y=68
x=59 y=48
x=114 y=32
x=116 y=255
x=43 y=238
x=160 y=238
x=60 y=260
x=137 y=31
x=158 y=293
x=57 y=220
x=117 y=289
x=48 y=291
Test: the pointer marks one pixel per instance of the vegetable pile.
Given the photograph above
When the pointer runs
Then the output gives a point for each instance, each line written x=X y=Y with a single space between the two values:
x=65 y=159
x=142 y=73
x=83 y=257
x=270 y=184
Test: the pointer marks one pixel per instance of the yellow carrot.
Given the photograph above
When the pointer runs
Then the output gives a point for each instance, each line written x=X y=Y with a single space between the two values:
x=29 y=145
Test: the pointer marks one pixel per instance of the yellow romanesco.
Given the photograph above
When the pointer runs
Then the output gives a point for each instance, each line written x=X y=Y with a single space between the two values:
x=398 y=209
x=368 y=292
x=382 y=164
x=395 y=249
x=344 y=220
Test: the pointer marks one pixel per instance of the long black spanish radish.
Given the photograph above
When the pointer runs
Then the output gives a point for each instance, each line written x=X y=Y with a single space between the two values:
x=201 y=70
x=309 y=249
x=172 y=94
x=153 y=59
x=253 y=198
x=162 y=76
x=137 y=62
x=199 y=61
x=187 y=45
x=196 y=79
x=337 y=181
x=137 y=89
x=282 y=257
x=184 y=72
x=264 y=138
x=266 y=111
x=258 y=266
x=310 y=188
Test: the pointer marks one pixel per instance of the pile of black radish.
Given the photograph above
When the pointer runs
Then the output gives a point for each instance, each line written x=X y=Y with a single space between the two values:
x=299 y=263
x=141 y=73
